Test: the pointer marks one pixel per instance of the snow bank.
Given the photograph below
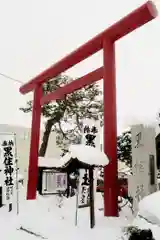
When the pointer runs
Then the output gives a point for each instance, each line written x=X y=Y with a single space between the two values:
x=143 y=224
x=149 y=208
x=148 y=216
x=45 y=218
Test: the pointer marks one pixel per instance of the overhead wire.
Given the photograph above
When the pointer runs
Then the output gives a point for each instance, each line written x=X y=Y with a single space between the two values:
x=11 y=78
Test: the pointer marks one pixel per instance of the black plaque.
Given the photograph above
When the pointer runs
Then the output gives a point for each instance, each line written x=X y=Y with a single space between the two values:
x=152 y=169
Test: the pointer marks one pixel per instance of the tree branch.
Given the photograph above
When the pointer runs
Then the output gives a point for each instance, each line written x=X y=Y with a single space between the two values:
x=67 y=133
x=78 y=122
x=61 y=130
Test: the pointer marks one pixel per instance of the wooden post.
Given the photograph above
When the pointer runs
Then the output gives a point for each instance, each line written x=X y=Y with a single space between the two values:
x=91 y=192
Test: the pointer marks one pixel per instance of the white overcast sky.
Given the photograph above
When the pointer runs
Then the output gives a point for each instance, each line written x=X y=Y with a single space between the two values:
x=36 y=33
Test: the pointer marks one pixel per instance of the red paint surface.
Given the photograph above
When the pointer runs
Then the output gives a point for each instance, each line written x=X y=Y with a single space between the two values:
x=73 y=86
x=122 y=188
x=110 y=130
x=137 y=18
x=134 y=20
x=34 y=147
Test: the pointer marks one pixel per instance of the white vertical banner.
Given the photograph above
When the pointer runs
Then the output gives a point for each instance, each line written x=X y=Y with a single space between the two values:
x=91 y=133
x=93 y=129
x=8 y=167
x=90 y=137
x=83 y=196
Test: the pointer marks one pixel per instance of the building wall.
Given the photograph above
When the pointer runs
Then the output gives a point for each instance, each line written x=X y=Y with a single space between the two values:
x=23 y=146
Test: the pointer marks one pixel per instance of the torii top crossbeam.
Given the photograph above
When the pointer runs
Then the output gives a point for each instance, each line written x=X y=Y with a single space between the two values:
x=134 y=20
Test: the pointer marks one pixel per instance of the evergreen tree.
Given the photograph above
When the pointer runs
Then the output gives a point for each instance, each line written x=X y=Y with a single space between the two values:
x=65 y=117
x=124 y=148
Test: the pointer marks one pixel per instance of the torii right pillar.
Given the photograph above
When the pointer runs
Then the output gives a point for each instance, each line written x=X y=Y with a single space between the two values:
x=134 y=20
x=110 y=130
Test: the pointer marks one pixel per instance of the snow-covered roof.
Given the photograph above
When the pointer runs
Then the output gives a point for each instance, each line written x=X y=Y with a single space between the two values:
x=85 y=154
x=89 y=155
x=49 y=162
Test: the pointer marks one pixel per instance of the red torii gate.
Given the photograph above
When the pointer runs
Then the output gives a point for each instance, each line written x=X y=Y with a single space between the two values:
x=106 y=41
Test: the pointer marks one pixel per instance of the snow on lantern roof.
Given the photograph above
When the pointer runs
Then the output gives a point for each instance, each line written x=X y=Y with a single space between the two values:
x=85 y=155
x=89 y=155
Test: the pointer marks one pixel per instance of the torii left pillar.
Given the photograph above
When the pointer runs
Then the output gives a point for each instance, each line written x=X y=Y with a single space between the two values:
x=34 y=146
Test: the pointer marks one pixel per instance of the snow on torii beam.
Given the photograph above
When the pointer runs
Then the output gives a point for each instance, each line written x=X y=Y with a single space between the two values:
x=105 y=40
x=132 y=21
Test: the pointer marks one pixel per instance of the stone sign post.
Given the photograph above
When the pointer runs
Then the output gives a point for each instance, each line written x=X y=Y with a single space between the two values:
x=143 y=181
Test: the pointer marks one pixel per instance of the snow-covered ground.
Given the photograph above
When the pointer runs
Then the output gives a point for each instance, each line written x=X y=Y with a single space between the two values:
x=43 y=219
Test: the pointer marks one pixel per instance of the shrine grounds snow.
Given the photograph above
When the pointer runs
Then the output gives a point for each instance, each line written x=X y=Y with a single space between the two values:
x=44 y=219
